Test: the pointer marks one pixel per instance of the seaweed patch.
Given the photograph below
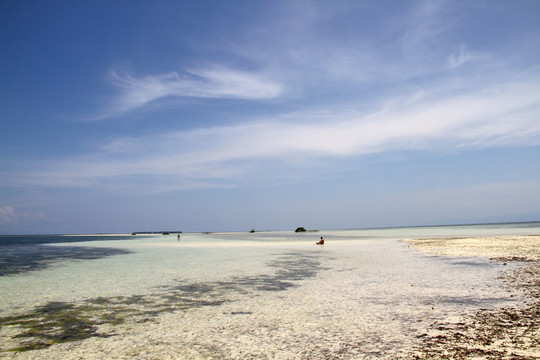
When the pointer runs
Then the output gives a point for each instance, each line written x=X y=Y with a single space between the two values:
x=15 y=259
x=60 y=322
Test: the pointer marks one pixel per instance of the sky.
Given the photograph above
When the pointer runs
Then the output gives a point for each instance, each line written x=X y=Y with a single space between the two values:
x=128 y=115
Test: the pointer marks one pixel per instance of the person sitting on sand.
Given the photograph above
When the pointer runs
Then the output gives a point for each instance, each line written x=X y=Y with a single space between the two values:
x=320 y=242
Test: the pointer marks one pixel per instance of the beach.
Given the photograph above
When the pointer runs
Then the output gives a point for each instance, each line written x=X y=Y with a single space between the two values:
x=363 y=295
x=508 y=333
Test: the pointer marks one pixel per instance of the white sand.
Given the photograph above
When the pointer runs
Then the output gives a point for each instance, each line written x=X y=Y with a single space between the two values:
x=509 y=333
x=496 y=247
x=367 y=299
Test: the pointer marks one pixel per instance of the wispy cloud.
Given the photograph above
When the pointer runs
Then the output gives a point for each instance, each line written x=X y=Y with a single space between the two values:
x=443 y=108
x=463 y=57
x=9 y=215
x=136 y=91
x=313 y=48
x=268 y=150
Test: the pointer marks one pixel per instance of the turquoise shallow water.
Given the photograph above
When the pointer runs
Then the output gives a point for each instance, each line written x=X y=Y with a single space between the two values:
x=360 y=284
x=121 y=265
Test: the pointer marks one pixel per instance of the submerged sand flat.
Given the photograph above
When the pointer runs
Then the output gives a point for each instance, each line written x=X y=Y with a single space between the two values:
x=509 y=333
x=357 y=297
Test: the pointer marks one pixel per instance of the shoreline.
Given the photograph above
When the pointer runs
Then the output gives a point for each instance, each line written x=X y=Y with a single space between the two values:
x=507 y=333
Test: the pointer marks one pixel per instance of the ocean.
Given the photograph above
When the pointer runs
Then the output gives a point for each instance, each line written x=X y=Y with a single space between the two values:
x=213 y=291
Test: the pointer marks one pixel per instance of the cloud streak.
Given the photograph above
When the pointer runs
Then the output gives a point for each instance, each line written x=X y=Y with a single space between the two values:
x=137 y=91
x=268 y=150
x=8 y=215
x=455 y=61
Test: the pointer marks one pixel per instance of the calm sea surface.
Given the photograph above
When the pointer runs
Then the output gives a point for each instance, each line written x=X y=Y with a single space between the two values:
x=43 y=267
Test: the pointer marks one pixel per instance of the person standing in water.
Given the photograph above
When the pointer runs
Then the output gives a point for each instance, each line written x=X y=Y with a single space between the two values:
x=178 y=237
x=320 y=242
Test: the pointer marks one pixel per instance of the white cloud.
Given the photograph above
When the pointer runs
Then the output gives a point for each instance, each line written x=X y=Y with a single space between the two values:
x=464 y=56
x=216 y=82
x=7 y=215
x=270 y=150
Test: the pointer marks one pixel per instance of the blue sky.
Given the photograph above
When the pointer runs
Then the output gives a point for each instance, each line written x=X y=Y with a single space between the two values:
x=120 y=116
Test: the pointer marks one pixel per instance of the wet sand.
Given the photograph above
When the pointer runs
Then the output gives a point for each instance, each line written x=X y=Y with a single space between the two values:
x=508 y=333
x=372 y=299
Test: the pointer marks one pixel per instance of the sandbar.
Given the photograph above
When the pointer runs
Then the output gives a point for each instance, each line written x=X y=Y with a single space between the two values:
x=361 y=299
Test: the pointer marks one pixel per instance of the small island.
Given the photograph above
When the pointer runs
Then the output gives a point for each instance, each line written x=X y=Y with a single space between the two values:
x=302 y=229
